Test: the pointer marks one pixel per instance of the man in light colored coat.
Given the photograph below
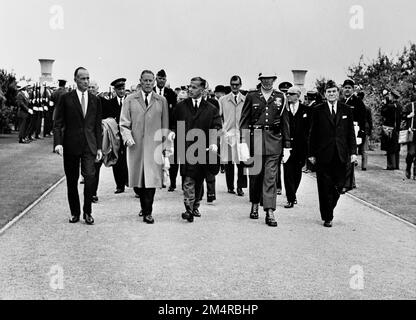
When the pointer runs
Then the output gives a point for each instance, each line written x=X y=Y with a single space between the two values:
x=144 y=123
x=230 y=110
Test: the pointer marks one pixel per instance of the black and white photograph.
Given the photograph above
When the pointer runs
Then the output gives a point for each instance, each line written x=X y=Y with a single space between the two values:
x=207 y=157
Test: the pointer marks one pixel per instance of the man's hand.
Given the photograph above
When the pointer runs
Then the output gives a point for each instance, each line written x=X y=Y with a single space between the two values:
x=411 y=115
x=312 y=160
x=59 y=149
x=30 y=111
x=286 y=155
x=130 y=143
x=171 y=136
x=213 y=148
x=99 y=155
x=353 y=158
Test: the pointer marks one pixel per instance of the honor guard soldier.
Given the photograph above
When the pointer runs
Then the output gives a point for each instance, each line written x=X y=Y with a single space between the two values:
x=112 y=109
x=265 y=112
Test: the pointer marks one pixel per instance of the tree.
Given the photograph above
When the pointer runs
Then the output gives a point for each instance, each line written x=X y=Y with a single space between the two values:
x=386 y=72
x=8 y=95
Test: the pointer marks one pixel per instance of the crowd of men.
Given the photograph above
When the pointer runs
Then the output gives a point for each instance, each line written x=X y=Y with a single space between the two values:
x=257 y=132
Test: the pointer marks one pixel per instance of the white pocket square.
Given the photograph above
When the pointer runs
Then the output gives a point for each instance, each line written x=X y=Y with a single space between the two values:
x=344 y=117
x=305 y=115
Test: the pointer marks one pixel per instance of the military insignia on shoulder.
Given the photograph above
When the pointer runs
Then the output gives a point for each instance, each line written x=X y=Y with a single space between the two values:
x=278 y=101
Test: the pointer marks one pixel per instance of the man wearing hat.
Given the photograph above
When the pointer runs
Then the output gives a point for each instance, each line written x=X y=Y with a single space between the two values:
x=265 y=125
x=359 y=117
x=391 y=112
x=219 y=92
x=285 y=86
x=332 y=145
x=22 y=102
x=299 y=131
x=170 y=96
x=112 y=109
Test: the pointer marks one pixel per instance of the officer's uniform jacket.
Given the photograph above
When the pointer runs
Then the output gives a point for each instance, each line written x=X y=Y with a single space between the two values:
x=271 y=118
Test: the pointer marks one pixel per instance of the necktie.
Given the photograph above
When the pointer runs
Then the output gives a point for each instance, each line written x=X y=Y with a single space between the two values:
x=160 y=91
x=83 y=104
x=235 y=99
x=121 y=102
x=146 y=101
x=333 y=111
x=196 y=105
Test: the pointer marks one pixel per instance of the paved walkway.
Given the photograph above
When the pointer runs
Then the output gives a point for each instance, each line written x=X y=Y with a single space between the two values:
x=223 y=255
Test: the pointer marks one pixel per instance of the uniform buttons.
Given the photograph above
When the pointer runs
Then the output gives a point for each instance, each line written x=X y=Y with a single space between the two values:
x=267 y=114
x=267 y=120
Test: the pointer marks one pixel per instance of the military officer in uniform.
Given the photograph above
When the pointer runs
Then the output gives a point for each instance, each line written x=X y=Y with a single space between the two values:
x=112 y=109
x=264 y=116
x=285 y=86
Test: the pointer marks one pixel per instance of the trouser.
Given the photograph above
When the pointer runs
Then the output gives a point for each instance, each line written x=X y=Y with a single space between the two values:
x=71 y=168
x=393 y=160
x=364 y=152
x=31 y=126
x=210 y=180
x=97 y=166
x=174 y=166
x=229 y=175
x=263 y=188
x=47 y=123
x=38 y=123
x=23 y=123
x=292 y=176
x=147 y=196
x=279 y=174
x=192 y=192
x=330 y=179
x=411 y=154
x=350 y=176
x=120 y=170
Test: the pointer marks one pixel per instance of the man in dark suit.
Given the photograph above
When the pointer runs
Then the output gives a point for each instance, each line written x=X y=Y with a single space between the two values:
x=78 y=138
x=112 y=109
x=171 y=97
x=200 y=116
x=332 y=146
x=299 y=131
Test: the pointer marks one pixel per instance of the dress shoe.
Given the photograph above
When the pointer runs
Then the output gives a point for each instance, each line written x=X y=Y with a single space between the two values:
x=141 y=213
x=163 y=186
x=119 y=191
x=148 y=219
x=279 y=191
x=74 y=219
x=289 y=205
x=408 y=174
x=188 y=216
x=270 y=219
x=196 y=213
x=88 y=218
x=328 y=224
x=231 y=191
x=240 y=192
x=254 y=213
x=171 y=188
x=94 y=199
x=210 y=199
x=363 y=169
x=23 y=141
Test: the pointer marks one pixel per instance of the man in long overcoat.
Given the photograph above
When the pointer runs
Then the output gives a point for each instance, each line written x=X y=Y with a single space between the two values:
x=144 y=122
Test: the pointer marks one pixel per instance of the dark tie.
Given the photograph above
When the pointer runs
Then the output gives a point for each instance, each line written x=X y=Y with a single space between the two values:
x=196 y=105
x=160 y=91
x=145 y=100
x=333 y=111
x=121 y=102
x=235 y=99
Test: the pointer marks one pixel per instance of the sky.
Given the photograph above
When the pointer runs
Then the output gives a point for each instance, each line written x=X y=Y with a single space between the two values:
x=214 y=39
